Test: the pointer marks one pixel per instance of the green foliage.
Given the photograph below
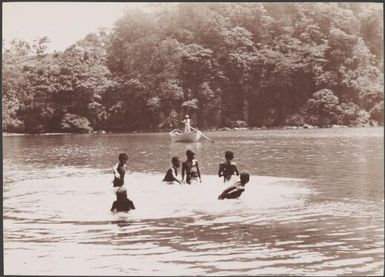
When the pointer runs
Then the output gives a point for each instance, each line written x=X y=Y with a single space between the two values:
x=322 y=109
x=296 y=119
x=371 y=31
x=40 y=46
x=19 y=48
x=75 y=123
x=352 y=115
x=191 y=105
x=171 y=92
x=226 y=64
x=377 y=113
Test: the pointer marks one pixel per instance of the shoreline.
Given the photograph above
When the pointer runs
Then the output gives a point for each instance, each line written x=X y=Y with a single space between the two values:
x=224 y=129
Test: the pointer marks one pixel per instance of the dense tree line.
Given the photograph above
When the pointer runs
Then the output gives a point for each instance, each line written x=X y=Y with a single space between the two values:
x=225 y=64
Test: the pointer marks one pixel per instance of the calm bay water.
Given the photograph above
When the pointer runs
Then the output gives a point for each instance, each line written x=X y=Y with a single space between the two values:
x=314 y=205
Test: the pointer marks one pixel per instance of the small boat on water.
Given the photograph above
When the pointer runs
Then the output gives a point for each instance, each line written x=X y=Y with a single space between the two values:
x=181 y=136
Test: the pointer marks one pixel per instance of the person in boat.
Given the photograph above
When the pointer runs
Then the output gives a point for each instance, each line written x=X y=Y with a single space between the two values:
x=228 y=168
x=237 y=189
x=122 y=203
x=187 y=123
x=119 y=170
x=190 y=168
x=172 y=172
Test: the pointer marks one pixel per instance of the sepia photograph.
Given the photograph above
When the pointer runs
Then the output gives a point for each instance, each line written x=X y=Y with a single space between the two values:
x=193 y=138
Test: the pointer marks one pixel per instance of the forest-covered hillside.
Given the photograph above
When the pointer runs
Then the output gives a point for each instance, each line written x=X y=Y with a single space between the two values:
x=225 y=64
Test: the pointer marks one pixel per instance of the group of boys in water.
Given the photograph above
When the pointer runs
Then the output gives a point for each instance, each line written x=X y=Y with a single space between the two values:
x=190 y=173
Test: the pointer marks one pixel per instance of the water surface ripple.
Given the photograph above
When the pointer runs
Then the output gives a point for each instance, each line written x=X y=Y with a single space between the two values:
x=314 y=205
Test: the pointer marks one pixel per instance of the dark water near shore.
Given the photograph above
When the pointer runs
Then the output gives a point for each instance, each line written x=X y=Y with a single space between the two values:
x=314 y=205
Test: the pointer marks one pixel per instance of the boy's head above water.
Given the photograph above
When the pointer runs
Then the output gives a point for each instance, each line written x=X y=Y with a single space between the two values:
x=123 y=157
x=175 y=161
x=229 y=155
x=121 y=193
x=190 y=154
x=245 y=177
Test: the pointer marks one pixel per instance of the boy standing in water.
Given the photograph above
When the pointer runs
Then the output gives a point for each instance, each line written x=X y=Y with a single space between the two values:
x=237 y=189
x=122 y=203
x=172 y=172
x=187 y=123
x=120 y=170
x=190 y=168
x=228 y=168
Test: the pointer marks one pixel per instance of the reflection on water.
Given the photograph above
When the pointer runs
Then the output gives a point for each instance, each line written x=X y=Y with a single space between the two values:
x=313 y=206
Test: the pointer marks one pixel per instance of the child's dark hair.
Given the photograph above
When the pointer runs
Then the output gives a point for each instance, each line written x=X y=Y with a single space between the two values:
x=175 y=161
x=121 y=193
x=123 y=157
x=190 y=154
x=229 y=155
x=245 y=177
